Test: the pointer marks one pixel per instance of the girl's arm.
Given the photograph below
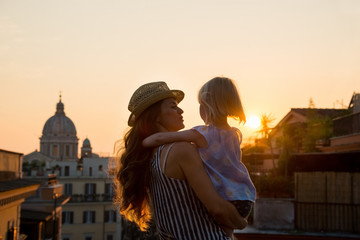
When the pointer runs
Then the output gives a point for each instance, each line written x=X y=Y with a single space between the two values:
x=160 y=138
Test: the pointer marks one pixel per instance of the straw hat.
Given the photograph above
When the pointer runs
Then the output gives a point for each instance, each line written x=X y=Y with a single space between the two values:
x=148 y=94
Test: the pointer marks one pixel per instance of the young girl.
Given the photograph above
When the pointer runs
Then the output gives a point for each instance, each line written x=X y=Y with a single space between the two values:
x=218 y=143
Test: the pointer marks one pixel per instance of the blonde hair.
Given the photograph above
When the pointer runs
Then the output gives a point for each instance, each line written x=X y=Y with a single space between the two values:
x=220 y=99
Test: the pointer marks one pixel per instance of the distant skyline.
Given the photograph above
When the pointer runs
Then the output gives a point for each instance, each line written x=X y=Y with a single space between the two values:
x=281 y=53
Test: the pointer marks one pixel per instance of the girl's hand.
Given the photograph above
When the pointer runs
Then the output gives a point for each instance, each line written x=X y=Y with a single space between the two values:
x=198 y=139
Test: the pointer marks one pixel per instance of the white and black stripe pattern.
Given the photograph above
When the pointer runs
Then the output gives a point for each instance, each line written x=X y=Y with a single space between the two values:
x=178 y=213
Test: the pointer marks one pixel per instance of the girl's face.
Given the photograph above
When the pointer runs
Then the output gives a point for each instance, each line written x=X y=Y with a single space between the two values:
x=170 y=118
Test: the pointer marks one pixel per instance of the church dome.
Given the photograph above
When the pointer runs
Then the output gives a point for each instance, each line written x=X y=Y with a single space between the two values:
x=59 y=124
x=86 y=142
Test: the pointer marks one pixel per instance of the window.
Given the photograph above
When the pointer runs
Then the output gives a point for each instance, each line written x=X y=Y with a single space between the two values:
x=90 y=171
x=67 y=150
x=67 y=171
x=109 y=192
x=55 y=150
x=110 y=216
x=68 y=189
x=88 y=236
x=67 y=217
x=109 y=237
x=90 y=191
x=89 y=217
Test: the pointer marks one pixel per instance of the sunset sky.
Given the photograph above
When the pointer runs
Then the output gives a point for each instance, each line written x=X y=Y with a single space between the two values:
x=281 y=53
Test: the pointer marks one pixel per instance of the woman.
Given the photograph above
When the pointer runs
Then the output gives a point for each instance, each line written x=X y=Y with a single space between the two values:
x=168 y=182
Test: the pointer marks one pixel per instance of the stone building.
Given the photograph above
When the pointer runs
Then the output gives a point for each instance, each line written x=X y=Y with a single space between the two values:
x=59 y=139
x=13 y=191
x=89 y=214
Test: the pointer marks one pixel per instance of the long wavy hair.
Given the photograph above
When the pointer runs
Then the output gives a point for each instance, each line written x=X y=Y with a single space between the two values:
x=132 y=179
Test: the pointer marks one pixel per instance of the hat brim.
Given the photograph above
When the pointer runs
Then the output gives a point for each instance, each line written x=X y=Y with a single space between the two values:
x=177 y=94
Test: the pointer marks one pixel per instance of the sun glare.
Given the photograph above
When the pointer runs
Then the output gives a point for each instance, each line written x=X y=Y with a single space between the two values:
x=253 y=122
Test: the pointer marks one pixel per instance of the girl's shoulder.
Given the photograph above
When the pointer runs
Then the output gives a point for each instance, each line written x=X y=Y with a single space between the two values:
x=238 y=133
x=235 y=129
x=211 y=129
x=202 y=129
x=207 y=131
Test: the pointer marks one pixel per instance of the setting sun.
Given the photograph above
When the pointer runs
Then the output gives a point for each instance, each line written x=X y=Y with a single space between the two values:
x=253 y=122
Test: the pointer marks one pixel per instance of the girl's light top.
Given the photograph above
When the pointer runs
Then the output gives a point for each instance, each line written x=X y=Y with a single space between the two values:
x=222 y=159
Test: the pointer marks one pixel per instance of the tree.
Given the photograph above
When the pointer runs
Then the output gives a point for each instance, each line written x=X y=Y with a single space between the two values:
x=317 y=128
x=266 y=121
x=290 y=142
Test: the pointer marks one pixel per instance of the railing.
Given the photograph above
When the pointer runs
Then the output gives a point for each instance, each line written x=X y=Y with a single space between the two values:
x=347 y=125
x=91 y=198
x=327 y=217
x=327 y=201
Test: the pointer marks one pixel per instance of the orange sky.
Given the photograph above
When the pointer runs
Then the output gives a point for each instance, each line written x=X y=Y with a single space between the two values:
x=280 y=52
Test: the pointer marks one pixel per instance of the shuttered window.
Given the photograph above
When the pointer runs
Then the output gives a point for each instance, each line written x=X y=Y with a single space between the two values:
x=89 y=217
x=67 y=217
x=110 y=216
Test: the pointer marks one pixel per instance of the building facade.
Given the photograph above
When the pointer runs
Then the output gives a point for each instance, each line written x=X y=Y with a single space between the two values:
x=90 y=213
x=13 y=191
x=326 y=130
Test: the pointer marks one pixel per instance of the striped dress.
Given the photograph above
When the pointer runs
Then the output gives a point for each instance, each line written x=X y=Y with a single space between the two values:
x=177 y=212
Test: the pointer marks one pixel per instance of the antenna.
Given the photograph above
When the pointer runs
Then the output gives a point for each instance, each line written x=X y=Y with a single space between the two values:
x=341 y=103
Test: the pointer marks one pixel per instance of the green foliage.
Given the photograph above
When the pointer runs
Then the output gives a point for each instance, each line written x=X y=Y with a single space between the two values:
x=35 y=164
x=265 y=126
x=26 y=168
x=292 y=138
x=251 y=148
x=273 y=185
x=26 y=164
x=317 y=129
x=290 y=142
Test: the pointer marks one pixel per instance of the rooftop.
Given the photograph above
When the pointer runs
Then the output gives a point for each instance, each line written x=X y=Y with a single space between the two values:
x=15 y=184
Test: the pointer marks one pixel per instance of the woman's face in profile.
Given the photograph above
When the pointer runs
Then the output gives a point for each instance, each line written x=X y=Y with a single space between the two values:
x=171 y=115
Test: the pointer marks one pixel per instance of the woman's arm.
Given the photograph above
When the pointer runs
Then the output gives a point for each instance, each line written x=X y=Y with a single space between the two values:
x=160 y=138
x=192 y=167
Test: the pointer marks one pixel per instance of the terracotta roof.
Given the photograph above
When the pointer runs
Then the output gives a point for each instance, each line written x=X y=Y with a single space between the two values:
x=322 y=112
